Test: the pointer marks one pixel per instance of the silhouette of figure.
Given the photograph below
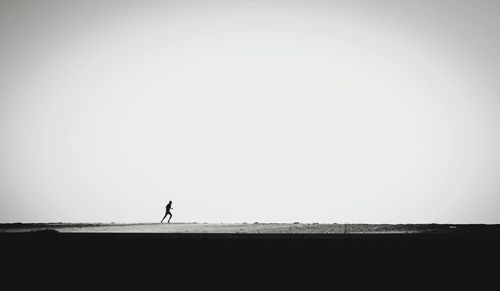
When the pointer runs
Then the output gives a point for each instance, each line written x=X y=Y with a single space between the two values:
x=168 y=207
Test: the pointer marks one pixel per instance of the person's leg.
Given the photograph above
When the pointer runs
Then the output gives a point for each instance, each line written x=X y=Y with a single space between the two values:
x=164 y=217
x=170 y=216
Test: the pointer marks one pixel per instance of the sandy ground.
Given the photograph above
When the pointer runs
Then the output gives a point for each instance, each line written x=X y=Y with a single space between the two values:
x=184 y=253
x=213 y=228
x=243 y=228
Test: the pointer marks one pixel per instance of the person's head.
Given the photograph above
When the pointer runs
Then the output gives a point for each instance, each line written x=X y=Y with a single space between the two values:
x=169 y=202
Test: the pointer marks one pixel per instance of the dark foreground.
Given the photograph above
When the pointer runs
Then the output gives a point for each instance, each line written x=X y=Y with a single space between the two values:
x=191 y=259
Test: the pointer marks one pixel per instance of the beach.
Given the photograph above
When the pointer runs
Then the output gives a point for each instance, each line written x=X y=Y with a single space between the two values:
x=250 y=252
x=251 y=228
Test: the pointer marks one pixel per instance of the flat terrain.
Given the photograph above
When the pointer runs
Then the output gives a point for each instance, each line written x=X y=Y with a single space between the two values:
x=252 y=253
x=250 y=228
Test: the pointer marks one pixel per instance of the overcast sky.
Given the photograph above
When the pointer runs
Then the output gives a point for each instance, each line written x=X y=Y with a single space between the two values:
x=240 y=111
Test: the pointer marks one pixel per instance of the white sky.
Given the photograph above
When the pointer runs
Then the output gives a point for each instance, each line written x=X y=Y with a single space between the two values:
x=269 y=111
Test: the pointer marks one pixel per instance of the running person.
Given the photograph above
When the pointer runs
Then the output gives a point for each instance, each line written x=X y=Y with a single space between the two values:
x=168 y=207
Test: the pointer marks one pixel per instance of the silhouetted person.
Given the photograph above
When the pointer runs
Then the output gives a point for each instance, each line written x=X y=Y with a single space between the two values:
x=168 y=207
